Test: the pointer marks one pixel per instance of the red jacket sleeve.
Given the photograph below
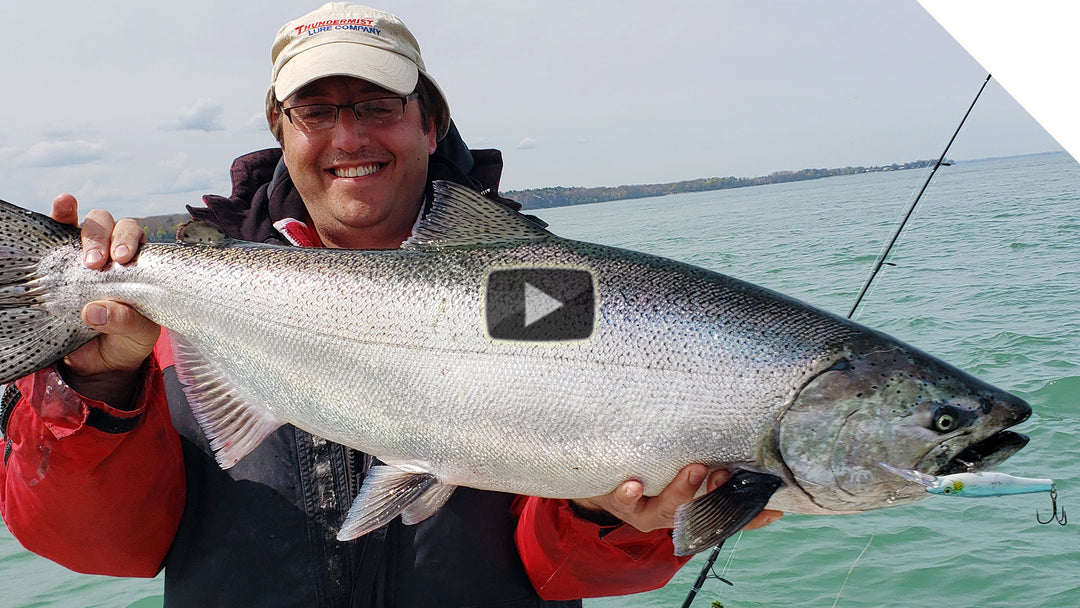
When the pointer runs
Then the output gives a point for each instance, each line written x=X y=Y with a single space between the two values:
x=93 y=488
x=568 y=557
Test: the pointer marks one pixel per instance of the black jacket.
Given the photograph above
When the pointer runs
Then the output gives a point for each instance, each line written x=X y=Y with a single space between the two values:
x=262 y=533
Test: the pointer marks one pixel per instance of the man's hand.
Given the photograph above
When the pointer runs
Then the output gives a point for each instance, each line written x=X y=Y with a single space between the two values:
x=646 y=513
x=107 y=367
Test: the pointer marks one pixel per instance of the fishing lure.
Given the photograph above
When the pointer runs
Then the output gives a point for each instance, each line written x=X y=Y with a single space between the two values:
x=970 y=485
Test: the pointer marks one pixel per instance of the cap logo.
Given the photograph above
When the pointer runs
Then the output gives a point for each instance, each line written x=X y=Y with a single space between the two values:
x=360 y=25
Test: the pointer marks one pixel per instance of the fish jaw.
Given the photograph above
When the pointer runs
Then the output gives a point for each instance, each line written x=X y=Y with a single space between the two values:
x=880 y=401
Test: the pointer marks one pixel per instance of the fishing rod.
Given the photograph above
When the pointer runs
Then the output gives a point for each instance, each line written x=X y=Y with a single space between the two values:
x=704 y=574
x=940 y=161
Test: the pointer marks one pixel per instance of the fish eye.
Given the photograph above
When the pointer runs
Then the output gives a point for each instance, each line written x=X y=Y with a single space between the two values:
x=945 y=422
x=946 y=418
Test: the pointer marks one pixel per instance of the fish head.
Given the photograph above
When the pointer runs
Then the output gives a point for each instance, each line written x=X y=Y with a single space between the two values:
x=880 y=401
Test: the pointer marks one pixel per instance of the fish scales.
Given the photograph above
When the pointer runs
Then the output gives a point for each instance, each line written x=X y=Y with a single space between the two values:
x=388 y=352
x=422 y=338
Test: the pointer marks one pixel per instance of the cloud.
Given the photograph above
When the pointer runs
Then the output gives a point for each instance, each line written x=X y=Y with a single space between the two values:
x=179 y=178
x=194 y=180
x=526 y=144
x=70 y=133
x=205 y=115
x=257 y=122
x=63 y=153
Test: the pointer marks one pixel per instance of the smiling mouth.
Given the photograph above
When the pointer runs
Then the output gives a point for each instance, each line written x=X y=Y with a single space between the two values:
x=360 y=171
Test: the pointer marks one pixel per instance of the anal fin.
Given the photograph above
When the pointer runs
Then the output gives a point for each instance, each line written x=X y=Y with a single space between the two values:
x=230 y=421
x=390 y=491
x=709 y=519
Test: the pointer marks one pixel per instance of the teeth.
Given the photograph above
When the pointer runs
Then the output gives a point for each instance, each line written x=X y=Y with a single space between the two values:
x=356 y=171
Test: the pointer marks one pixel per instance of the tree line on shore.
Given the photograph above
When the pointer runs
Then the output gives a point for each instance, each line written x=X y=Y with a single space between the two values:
x=559 y=196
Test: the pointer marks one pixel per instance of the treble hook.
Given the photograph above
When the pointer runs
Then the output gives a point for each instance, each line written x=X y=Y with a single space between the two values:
x=1061 y=519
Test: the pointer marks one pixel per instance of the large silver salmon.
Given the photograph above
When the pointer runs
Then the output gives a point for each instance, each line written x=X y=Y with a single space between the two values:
x=417 y=357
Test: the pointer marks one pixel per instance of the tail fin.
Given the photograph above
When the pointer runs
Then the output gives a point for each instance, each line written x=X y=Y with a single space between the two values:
x=31 y=337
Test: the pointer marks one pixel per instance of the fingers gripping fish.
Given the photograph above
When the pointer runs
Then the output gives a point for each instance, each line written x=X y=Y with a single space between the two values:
x=397 y=354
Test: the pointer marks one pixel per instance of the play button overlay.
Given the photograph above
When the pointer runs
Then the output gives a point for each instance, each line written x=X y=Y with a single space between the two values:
x=539 y=304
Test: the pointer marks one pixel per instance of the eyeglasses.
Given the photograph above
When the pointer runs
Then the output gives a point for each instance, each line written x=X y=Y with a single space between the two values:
x=369 y=113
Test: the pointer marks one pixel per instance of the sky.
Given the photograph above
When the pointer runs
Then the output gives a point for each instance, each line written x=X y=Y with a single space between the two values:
x=140 y=108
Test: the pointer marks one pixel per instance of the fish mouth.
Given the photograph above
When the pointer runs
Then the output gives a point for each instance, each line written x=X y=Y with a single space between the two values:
x=985 y=454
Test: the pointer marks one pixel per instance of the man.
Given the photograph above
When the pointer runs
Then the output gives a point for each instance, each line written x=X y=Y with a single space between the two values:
x=106 y=471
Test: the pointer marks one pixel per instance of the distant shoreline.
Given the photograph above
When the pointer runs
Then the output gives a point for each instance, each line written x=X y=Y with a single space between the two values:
x=162 y=228
x=559 y=196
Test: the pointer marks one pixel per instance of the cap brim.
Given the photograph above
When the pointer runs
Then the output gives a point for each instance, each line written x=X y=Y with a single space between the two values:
x=383 y=68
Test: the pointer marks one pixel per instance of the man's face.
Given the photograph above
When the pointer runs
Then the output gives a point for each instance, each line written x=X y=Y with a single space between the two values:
x=362 y=185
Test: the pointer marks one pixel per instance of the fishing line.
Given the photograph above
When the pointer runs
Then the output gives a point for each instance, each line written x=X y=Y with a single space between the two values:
x=900 y=228
x=703 y=575
x=708 y=567
x=881 y=261
x=731 y=556
x=852 y=569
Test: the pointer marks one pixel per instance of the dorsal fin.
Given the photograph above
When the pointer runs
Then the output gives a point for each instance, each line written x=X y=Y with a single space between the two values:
x=460 y=217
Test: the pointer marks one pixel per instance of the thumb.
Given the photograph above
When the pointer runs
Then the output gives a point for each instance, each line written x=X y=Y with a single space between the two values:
x=126 y=341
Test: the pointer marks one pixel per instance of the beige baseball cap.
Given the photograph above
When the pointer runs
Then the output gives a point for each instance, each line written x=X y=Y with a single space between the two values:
x=346 y=39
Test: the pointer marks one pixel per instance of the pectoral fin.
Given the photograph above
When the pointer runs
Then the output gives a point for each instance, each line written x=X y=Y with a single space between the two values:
x=709 y=519
x=390 y=491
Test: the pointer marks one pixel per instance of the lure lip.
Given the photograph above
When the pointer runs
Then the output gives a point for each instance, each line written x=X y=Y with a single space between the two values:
x=930 y=481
